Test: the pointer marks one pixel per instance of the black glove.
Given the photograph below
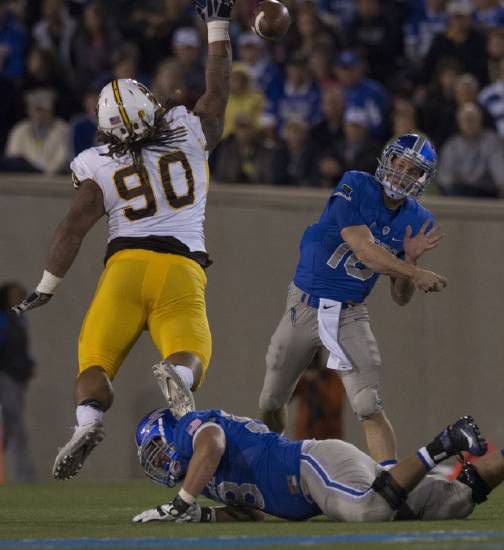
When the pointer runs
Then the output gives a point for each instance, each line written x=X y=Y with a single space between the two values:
x=214 y=10
x=35 y=299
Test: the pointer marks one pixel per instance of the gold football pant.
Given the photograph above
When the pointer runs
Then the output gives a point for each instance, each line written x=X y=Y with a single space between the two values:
x=142 y=289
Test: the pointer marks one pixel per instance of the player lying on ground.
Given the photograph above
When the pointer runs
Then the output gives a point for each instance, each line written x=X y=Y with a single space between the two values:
x=151 y=180
x=238 y=462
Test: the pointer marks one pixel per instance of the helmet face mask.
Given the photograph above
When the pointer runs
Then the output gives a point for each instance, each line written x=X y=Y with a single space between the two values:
x=418 y=153
x=156 y=450
x=126 y=110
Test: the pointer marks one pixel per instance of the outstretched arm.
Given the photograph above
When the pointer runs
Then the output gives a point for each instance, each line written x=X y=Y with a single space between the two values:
x=212 y=104
x=86 y=209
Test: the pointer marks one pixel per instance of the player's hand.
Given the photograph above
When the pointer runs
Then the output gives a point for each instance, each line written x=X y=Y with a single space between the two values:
x=214 y=10
x=167 y=512
x=415 y=247
x=428 y=281
x=35 y=299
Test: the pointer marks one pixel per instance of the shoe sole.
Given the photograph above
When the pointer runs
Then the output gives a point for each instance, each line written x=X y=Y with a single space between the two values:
x=165 y=374
x=69 y=462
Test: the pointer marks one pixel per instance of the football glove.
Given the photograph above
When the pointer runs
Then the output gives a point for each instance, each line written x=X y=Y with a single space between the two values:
x=35 y=299
x=214 y=10
x=172 y=512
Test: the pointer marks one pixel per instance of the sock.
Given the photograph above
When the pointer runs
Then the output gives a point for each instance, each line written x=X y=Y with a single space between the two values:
x=387 y=464
x=435 y=452
x=89 y=412
x=186 y=374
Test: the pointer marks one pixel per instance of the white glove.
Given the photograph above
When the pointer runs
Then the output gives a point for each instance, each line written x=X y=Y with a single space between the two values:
x=167 y=512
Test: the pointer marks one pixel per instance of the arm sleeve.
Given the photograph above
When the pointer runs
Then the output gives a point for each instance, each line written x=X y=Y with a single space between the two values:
x=343 y=209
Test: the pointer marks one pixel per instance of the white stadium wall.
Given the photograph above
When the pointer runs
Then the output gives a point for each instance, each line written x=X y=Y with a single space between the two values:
x=443 y=355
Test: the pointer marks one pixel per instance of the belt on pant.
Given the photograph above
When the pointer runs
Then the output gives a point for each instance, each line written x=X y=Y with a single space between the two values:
x=314 y=301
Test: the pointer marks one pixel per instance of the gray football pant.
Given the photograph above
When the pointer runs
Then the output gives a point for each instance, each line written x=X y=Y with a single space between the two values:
x=295 y=342
x=12 y=397
x=338 y=477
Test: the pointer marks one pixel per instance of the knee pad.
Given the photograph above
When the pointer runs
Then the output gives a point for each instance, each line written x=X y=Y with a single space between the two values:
x=469 y=476
x=386 y=486
x=366 y=403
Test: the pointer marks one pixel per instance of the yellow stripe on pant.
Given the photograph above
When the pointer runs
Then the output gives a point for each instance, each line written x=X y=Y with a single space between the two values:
x=142 y=289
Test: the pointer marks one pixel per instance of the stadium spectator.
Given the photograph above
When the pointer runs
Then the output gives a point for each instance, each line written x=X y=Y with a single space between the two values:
x=243 y=99
x=294 y=164
x=11 y=108
x=461 y=41
x=296 y=95
x=54 y=31
x=39 y=142
x=404 y=119
x=488 y=13
x=356 y=150
x=125 y=64
x=168 y=84
x=83 y=126
x=95 y=44
x=492 y=98
x=321 y=63
x=42 y=71
x=422 y=26
x=378 y=36
x=309 y=31
x=186 y=48
x=337 y=13
x=16 y=370
x=363 y=92
x=495 y=51
x=253 y=54
x=330 y=128
x=472 y=161
x=437 y=111
x=152 y=26
x=242 y=157
x=12 y=43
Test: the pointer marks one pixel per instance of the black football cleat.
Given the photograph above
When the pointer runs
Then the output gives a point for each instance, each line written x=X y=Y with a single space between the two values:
x=463 y=435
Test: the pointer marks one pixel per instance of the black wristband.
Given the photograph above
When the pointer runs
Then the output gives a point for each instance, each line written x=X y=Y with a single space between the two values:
x=206 y=514
x=180 y=504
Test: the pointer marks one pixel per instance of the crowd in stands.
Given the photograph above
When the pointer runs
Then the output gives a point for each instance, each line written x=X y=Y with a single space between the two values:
x=349 y=75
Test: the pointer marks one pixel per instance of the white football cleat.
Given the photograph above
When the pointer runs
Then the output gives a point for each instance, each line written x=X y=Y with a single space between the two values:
x=71 y=457
x=177 y=394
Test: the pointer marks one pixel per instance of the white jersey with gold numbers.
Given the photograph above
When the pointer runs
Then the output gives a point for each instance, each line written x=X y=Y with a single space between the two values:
x=171 y=199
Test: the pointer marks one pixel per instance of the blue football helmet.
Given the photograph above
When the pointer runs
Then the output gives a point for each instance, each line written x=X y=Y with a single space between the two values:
x=156 y=448
x=416 y=149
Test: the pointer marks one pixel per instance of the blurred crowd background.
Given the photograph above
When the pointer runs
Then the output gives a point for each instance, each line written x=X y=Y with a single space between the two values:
x=349 y=75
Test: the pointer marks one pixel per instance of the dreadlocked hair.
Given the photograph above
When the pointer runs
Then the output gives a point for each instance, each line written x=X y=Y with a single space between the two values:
x=159 y=137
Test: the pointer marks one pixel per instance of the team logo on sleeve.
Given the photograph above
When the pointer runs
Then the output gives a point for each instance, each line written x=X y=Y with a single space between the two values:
x=345 y=192
x=193 y=426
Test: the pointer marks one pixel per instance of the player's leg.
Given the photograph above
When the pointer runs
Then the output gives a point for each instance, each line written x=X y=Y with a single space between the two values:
x=179 y=327
x=291 y=350
x=363 y=382
x=112 y=325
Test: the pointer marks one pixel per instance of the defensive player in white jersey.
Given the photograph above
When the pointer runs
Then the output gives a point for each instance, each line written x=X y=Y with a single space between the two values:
x=151 y=179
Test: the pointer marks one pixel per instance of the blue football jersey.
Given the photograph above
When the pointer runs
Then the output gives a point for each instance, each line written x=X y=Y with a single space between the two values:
x=327 y=267
x=259 y=468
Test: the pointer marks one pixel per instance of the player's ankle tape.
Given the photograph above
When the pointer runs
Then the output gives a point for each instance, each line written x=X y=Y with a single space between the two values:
x=425 y=457
x=186 y=497
x=218 y=31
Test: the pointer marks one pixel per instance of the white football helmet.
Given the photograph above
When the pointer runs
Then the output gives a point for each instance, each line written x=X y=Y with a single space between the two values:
x=126 y=108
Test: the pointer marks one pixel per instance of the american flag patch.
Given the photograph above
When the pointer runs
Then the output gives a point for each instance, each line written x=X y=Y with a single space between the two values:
x=115 y=120
x=193 y=426
x=292 y=485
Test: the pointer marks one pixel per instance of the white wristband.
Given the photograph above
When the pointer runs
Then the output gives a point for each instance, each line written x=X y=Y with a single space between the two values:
x=218 y=31
x=49 y=283
x=185 y=496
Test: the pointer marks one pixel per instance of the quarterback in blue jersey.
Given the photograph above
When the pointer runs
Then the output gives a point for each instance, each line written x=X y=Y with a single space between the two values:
x=371 y=225
x=251 y=471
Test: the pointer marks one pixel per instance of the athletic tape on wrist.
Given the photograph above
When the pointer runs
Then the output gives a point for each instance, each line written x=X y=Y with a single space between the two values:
x=218 y=31
x=186 y=497
x=49 y=283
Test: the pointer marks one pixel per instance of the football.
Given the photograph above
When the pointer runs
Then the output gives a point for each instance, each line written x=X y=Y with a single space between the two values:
x=269 y=19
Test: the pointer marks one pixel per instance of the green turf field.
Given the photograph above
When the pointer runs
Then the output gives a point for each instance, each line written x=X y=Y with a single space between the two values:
x=98 y=515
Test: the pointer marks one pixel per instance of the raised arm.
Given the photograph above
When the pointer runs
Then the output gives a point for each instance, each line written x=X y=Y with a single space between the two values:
x=86 y=209
x=211 y=106
x=361 y=241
